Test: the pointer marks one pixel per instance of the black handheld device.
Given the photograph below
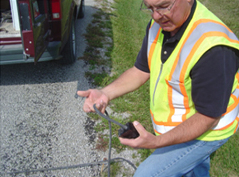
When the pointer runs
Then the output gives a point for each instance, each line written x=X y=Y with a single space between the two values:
x=126 y=131
x=130 y=132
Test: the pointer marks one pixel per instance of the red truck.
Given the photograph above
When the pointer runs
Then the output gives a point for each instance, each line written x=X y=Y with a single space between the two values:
x=38 y=30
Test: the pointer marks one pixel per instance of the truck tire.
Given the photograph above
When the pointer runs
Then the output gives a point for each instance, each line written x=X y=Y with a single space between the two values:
x=81 y=10
x=69 y=50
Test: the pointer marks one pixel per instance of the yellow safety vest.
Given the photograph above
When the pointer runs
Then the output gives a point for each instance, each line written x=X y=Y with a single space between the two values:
x=170 y=83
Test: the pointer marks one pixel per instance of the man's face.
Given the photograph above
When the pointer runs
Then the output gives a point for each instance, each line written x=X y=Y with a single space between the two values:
x=171 y=19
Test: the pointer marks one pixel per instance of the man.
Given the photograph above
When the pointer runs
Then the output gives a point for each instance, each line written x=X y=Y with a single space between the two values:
x=192 y=60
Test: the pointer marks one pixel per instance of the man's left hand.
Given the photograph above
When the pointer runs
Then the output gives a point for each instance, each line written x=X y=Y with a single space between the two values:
x=145 y=140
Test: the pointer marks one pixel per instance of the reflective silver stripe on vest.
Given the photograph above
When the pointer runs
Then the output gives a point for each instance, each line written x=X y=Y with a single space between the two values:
x=177 y=97
x=229 y=117
x=201 y=29
x=161 y=128
x=193 y=38
x=153 y=31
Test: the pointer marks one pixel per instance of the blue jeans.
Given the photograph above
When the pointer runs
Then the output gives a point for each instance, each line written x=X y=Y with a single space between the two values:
x=190 y=159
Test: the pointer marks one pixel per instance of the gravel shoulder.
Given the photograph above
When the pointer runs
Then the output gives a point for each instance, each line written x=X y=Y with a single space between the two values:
x=42 y=122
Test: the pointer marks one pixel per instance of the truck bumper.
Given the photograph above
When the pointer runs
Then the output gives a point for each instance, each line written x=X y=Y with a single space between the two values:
x=13 y=54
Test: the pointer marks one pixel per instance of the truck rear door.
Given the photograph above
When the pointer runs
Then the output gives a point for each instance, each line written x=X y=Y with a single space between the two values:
x=34 y=25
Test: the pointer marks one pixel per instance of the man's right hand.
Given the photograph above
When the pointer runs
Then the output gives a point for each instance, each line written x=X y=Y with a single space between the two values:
x=94 y=96
x=129 y=81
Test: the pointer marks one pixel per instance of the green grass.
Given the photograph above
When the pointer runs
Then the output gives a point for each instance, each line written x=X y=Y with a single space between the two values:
x=129 y=24
x=225 y=161
x=126 y=26
x=227 y=11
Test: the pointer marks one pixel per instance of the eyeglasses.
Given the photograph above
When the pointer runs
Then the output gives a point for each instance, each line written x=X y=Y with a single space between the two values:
x=161 y=10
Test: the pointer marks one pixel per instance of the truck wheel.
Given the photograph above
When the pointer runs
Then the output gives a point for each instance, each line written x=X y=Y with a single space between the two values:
x=69 y=50
x=81 y=10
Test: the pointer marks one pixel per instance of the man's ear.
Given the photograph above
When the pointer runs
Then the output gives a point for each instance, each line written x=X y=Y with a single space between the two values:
x=190 y=2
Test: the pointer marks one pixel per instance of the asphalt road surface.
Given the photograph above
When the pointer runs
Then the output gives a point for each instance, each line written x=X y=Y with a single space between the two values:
x=42 y=122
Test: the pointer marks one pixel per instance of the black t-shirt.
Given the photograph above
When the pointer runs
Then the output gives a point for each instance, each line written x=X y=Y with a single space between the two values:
x=212 y=76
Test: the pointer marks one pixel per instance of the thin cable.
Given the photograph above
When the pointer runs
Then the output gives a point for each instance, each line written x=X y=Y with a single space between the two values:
x=108 y=118
x=118 y=159
x=110 y=140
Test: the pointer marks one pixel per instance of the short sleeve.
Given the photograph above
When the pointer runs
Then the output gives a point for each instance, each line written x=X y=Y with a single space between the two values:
x=212 y=80
x=142 y=58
